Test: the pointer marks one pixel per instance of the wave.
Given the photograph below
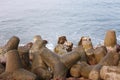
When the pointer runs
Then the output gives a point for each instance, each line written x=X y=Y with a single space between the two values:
x=118 y=39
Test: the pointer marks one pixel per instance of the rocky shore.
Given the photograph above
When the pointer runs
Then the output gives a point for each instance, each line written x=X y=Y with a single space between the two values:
x=34 y=61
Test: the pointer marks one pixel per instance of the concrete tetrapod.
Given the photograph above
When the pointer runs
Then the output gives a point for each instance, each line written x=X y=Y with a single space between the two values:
x=14 y=70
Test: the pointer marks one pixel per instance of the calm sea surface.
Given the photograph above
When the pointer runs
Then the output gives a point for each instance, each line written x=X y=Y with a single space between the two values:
x=53 y=18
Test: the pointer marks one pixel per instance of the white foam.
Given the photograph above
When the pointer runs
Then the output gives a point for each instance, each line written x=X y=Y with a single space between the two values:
x=50 y=46
x=118 y=39
x=21 y=44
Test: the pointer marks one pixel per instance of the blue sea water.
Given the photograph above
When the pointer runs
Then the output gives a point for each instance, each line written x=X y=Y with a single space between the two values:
x=53 y=18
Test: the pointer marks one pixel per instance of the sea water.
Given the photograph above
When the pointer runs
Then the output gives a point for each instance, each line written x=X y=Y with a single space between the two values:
x=54 y=18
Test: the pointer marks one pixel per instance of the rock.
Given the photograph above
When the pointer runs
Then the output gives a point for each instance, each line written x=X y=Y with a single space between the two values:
x=13 y=61
x=58 y=64
x=60 y=49
x=24 y=55
x=72 y=78
x=14 y=70
x=12 y=43
x=22 y=74
x=110 y=73
x=68 y=46
x=111 y=59
x=86 y=43
x=100 y=53
x=72 y=57
x=63 y=46
x=91 y=57
x=40 y=68
x=110 y=39
x=2 y=68
x=62 y=39
x=81 y=69
x=95 y=72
